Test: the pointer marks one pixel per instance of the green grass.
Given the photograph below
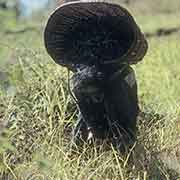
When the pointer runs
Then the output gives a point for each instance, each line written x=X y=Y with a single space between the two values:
x=37 y=113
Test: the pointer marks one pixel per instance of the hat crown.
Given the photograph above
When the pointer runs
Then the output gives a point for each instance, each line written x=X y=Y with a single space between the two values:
x=93 y=32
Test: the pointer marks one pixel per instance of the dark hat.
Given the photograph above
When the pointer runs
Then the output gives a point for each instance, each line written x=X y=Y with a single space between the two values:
x=93 y=32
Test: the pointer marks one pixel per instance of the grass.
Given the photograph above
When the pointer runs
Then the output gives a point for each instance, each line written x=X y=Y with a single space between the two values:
x=37 y=113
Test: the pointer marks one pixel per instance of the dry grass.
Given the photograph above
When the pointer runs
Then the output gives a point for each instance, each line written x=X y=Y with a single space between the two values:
x=37 y=113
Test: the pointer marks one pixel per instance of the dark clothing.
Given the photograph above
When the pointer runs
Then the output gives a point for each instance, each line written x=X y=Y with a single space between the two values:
x=107 y=102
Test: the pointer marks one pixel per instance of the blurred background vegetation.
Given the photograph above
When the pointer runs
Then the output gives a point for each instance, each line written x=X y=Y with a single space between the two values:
x=37 y=113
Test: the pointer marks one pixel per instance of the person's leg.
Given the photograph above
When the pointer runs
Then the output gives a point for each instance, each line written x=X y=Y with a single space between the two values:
x=122 y=107
x=80 y=132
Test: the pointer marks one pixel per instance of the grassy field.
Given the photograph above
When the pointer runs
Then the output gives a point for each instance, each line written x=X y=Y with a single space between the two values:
x=37 y=113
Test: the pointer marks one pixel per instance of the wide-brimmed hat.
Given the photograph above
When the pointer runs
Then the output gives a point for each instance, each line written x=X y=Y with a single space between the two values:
x=93 y=32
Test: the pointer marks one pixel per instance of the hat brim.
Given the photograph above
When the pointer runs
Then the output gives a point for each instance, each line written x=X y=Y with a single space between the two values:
x=59 y=31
